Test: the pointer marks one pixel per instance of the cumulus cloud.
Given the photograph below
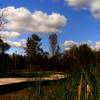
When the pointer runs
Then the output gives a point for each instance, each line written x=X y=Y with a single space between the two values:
x=78 y=3
x=92 y=5
x=22 y=20
x=95 y=6
x=96 y=47
x=11 y=35
x=19 y=44
x=88 y=42
x=67 y=49
x=69 y=43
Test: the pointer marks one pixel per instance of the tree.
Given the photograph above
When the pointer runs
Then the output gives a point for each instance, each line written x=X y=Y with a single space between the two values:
x=3 y=19
x=53 y=44
x=3 y=46
x=33 y=50
x=33 y=46
x=88 y=67
x=3 y=57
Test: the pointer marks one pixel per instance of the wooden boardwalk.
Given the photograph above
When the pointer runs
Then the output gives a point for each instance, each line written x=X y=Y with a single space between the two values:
x=6 y=81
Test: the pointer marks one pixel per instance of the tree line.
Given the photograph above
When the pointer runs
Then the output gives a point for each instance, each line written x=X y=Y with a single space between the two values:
x=36 y=58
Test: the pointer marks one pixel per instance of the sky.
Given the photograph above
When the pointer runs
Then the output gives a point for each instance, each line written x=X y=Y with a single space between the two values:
x=75 y=22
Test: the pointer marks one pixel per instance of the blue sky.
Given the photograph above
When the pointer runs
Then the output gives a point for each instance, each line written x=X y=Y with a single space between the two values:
x=82 y=20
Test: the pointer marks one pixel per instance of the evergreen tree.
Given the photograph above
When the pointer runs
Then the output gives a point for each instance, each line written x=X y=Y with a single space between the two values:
x=33 y=50
x=33 y=46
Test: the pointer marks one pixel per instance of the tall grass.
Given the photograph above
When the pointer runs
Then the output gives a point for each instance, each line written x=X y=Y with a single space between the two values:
x=66 y=89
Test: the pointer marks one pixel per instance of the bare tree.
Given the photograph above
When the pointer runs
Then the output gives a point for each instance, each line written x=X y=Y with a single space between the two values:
x=53 y=43
x=3 y=46
x=2 y=19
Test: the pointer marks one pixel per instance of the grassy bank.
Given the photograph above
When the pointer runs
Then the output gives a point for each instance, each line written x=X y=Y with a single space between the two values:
x=65 y=89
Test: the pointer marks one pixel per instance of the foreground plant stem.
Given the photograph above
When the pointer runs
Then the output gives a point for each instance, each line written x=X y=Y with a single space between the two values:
x=79 y=89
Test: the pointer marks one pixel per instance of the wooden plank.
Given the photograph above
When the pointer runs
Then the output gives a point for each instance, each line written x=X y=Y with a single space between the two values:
x=5 y=81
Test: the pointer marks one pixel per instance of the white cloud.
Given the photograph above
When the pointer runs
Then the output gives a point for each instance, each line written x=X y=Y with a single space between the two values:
x=11 y=35
x=18 y=44
x=96 y=47
x=22 y=20
x=78 y=3
x=67 y=49
x=89 y=42
x=93 y=45
x=96 y=16
x=95 y=6
x=69 y=43
x=92 y=5
x=72 y=43
x=86 y=42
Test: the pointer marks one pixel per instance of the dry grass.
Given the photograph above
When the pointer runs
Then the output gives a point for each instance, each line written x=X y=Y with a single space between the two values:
x=26 y=93
x=50 y=90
